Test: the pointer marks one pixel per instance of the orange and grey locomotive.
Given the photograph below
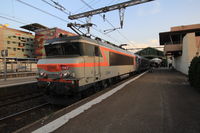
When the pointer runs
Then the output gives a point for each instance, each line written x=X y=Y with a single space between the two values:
x=75 y=64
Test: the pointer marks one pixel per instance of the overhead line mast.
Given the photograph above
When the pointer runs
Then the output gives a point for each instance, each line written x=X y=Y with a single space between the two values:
x=121 y=7
x=108 y=8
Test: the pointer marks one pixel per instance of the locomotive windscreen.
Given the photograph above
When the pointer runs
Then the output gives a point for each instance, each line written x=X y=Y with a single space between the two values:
x=63 y=49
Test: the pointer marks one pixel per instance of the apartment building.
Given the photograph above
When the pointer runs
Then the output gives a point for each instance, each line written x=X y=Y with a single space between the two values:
x=17 y=43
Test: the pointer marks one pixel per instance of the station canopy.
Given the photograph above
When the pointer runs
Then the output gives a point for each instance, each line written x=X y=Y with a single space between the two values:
x=34 y=27
x=175 y=37
x=151 y=53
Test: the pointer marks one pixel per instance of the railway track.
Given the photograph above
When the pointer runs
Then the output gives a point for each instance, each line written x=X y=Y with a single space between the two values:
x=20 y=119
x=19 y=98
x=20 y=103
x=21 y=112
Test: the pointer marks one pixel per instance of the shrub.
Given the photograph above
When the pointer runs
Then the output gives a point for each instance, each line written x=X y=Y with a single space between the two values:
x=194 y=72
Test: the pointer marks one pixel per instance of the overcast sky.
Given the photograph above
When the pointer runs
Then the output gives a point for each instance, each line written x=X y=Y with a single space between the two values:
x=142 y=23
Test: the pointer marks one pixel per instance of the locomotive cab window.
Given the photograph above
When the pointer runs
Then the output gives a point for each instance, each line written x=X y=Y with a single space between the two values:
x=63 y=49
x=71 y=49
x=97 y=51
x=91 y=50
x=88 y=49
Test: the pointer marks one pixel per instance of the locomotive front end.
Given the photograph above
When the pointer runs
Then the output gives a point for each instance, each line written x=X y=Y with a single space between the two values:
x=58 y=79
x=59 y=73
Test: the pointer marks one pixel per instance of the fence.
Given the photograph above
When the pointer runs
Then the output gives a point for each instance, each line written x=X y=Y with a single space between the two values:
x=18 y=66
x=9 y=66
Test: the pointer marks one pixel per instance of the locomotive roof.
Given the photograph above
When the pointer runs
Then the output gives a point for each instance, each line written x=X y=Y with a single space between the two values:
x=97 y=41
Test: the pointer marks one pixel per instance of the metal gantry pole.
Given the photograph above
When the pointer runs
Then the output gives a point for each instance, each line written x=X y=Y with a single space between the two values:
x=5 y=68
x=108 y=8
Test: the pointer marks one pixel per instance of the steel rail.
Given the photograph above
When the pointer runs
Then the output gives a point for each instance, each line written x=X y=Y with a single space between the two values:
x=21 y=112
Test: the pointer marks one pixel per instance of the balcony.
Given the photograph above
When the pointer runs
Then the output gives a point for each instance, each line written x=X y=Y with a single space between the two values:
x=173 y=49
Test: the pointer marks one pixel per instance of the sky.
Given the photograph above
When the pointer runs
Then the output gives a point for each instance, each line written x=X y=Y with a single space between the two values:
x=142 y=23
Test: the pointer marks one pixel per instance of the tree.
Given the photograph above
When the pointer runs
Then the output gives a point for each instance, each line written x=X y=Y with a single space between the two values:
x=194 y=73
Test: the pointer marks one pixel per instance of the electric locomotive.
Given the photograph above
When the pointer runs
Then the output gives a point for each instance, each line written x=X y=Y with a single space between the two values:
x=75 y=64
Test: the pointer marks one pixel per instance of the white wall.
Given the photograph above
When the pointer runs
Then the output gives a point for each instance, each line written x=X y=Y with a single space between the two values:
x=182 y=63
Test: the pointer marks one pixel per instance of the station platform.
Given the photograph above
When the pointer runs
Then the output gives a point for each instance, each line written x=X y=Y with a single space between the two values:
x=17 y=81
x=157 y=102
x=17 y=75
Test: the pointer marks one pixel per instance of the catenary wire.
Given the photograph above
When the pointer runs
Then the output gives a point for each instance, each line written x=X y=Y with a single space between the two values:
x=68 y=13
x=79 y=21
x=63 y=19
x=42 y=11
x=108 y=22
x=11 y=19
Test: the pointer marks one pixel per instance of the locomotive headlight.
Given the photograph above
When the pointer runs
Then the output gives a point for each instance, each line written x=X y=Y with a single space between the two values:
x=65 y=74
x=43 y=74
x=73 y=75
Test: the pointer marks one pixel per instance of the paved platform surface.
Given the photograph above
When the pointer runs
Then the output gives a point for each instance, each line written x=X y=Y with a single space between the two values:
x=158 y=102
x=17 y=81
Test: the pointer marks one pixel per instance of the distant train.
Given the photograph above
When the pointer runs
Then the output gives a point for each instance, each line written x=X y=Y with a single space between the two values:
x=75 y=64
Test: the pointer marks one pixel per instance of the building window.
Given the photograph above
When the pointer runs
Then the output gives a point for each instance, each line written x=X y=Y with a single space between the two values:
x=18 y=48
x=13 y=42
x=22 y=50
x=20 y=44
x=8 y=47
x=14 y=36
x=19 y=38
x=14 y=49
x=8 y=42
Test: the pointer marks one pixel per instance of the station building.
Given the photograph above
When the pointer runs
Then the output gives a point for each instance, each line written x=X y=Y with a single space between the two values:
x=181 y=44
x=16 y=43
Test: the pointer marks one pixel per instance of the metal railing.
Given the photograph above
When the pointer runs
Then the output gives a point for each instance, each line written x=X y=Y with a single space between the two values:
x=10 y=66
